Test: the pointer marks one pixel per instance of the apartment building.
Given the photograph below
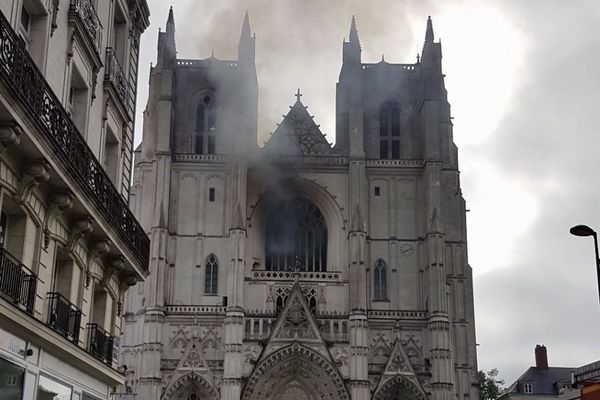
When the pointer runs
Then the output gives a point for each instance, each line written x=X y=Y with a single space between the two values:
x=69 y=245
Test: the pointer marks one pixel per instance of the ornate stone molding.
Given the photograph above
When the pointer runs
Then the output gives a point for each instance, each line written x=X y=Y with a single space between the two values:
x=9 y=134
x=36 y=172
x=60 y=203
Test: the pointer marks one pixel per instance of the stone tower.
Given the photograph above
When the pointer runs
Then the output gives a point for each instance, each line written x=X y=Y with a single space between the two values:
x=300 y=270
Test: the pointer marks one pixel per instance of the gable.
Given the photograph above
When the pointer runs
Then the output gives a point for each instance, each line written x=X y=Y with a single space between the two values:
x=296 y=322
x=298 y=135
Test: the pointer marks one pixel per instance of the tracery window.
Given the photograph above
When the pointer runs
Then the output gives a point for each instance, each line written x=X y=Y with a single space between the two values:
x=380 y=280
x=205 y=132
x=296 y=237
x=389 y=131
x=211 y=275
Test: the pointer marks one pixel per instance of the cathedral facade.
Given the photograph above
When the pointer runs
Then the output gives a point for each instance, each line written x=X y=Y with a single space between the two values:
x=300 y=269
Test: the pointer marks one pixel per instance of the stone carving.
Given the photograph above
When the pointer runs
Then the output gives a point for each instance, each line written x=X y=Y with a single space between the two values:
x=296 y=321
x=192 y=358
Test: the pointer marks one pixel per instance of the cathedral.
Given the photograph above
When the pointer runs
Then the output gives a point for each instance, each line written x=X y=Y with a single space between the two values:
x=300 y=269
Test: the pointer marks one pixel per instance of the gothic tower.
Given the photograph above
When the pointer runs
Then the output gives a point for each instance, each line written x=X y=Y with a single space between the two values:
x=300 y=270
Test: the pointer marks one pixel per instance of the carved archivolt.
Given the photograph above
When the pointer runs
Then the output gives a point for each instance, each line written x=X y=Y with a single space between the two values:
x=188 y=384
x=398 y=387
x=298 y=366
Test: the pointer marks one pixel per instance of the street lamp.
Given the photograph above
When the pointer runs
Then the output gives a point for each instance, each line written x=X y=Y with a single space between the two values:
x=584 y=230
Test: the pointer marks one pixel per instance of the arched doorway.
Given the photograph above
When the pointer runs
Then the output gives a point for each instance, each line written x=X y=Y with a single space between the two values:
x=399 y=388
x=190 y=386
x=295 y=372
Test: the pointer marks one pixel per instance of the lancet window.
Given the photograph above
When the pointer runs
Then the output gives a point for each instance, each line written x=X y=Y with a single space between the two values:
x=389 y=131
x=296 y=237
x=211 y=275
x=205 y=130
x=380 y=280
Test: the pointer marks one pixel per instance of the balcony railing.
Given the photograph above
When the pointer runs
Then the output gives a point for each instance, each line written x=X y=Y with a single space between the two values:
x=17 y=282
x=64 y=317
x=85 y=11
x=20 y=76
x=115 y=76
x=100 y=343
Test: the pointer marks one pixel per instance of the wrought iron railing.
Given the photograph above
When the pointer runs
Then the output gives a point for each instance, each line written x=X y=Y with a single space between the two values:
x=17 y=282
x=114 y=76
x=100 y=343
x=64 y=317
x=20 y=75
x=85 y=11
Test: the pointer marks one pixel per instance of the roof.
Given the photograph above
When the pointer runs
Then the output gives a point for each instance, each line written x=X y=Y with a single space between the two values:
x=545 y=381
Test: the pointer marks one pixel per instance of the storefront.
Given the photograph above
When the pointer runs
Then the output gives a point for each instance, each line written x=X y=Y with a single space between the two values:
x=28 y=374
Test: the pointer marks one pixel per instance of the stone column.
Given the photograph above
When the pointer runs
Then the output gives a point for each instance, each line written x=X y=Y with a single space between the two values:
x=442 y=365
x=234 y=318
x=358 y=328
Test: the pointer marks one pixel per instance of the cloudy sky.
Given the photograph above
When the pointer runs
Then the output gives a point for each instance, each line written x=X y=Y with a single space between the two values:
x=523 y=78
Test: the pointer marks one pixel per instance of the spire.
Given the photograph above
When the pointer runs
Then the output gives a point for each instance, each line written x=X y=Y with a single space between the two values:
x=245 y=27
x=246 y=46
x=171 y=21
x=353 y=38
x=429 y=32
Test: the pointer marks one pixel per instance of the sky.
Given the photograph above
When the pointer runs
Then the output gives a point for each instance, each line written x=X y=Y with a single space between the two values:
x=523 y=79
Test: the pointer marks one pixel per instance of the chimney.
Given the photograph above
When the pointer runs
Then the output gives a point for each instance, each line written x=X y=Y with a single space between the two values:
x=541 y=357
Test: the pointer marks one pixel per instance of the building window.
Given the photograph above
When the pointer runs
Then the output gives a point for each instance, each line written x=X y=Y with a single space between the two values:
x=25 y=27
x=120 y=35
x=528 y=388
x=11 y=380
x=33 y=28
x=111 y=156
x=377 y=191
x=78 y=100
x=205 y=132
x=66 y=277
x=211 y=194
x=296 y=237
x=380 y=280
x=211 y=277
x=49 y=389
x=389 y=131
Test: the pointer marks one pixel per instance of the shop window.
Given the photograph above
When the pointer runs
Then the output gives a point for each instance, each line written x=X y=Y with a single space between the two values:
x=49 y=389
x=11 y=380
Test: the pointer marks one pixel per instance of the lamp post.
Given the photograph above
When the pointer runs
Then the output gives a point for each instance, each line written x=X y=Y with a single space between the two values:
x=584 y=230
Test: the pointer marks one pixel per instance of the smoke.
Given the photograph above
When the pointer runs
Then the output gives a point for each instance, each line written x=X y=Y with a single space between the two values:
x=299 y=45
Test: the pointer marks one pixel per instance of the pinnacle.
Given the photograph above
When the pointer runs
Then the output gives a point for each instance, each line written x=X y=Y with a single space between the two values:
x=353 y=38
x=246 y=26
x=171 y=19
x=429 y=32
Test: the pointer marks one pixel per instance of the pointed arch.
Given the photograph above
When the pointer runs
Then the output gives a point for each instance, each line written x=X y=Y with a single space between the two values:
x=205 y=124
x=380 y=279
x=188 y=384
x=389 y=130
x=211 y=275
x=295 y=366
x=399 y=387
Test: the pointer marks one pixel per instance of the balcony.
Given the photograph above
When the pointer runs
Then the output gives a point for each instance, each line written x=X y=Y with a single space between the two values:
x=100 y=343
x=83 y=14
x=31 y=93
x=64 y=317
x=115 y=78
x=17 y=282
